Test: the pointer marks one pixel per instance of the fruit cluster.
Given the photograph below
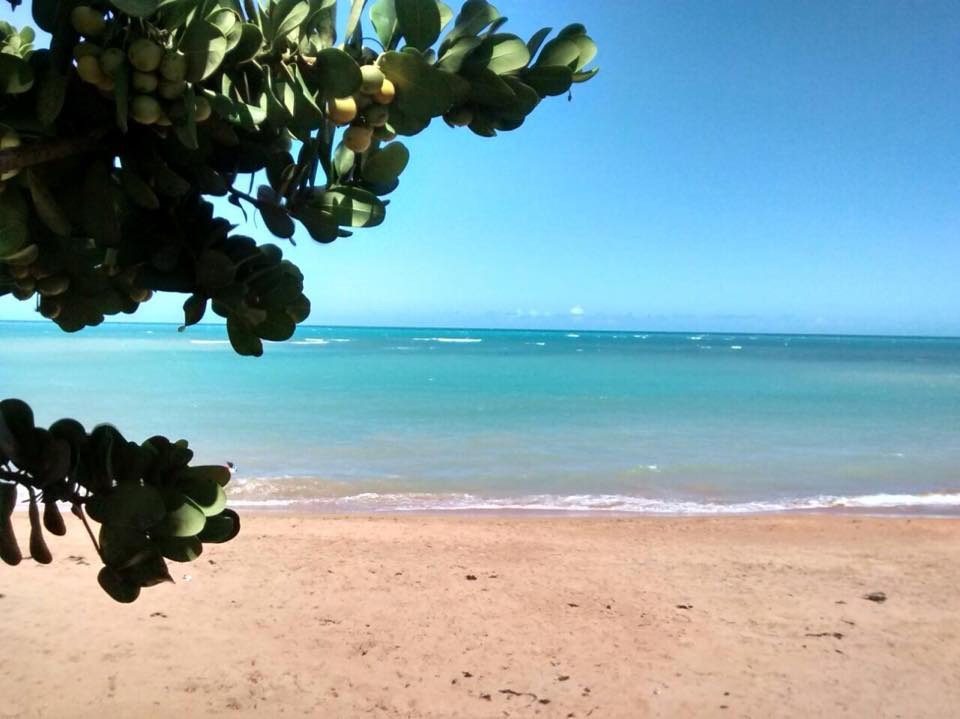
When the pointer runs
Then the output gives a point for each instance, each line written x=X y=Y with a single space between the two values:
x=366 y=112
x=154 y=76
x=151 y=504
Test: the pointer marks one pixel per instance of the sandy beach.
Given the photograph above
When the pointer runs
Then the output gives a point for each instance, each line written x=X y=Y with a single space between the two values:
x=456 y=616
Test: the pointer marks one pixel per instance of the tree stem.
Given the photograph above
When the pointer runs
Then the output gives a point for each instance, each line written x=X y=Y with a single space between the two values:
x=18 y=158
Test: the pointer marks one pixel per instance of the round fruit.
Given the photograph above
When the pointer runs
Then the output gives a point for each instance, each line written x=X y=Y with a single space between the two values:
x=164 y=120
x=372 y=79
x=377 y=115
x=82 y=49
x=386 y=93
x=145 y=109
x=202 y=109
x=110 y=61
x=8 y=141
x=144 y=82
x=145 y=55
x=358 y=138
x=173 y=67
x=50 y=308
x=87 y=21
x=459 y=117
x=88 y=68
x=106 y=84
x=342 y=110
x=138 y=294
x=171 y=90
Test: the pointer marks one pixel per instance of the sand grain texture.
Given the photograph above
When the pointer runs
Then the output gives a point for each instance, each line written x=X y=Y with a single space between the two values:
x=378 y=616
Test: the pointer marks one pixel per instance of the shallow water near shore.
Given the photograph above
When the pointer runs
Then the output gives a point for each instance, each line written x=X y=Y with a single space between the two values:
x=373 y=419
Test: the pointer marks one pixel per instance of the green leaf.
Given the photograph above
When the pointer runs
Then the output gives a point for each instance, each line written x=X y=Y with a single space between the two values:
x=321 y=225
x=132 y=505
x=473 y=17
x=384 y=166
x=335 y=73
x=292 y=20
x=455 y=55
x=207 y=494
x=534 y=43
x=248 y=46
x=193 y=310
x=136 y=8
x=422 y=91
x=14 y=228
x=488 y=88
x=446 y=14
x=508 y=54
x=277 y=221
x=137 y=190
x=16 y=76
x=561 y=52
x=205 y=47
x=222 y=528
x=121 y=543
x=343 y=160
x=183 y=517
x=277 y=327
x=114 y=584
x=418 y=22
x=180 y=549
x=352 y=206
x=48 y=210
x=383 y=16
x=245 y=342
x=215 y=270
x=100 y=218
x=50 y=95
x=549 y=80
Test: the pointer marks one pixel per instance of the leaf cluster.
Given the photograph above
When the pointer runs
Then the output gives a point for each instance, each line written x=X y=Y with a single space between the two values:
x=152 y=505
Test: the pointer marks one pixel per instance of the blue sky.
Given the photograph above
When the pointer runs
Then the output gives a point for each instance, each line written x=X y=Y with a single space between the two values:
x=754 y=166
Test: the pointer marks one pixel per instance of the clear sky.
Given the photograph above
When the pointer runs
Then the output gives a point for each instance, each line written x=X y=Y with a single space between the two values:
x=754 y=166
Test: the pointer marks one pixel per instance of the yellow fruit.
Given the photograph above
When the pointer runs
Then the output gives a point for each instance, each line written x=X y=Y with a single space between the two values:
x=110 y=61
x=386 y=93
x=144 y=82
x=88 y=68
x=140 y=295
x=86 y=48
x=202 y=109
x=145 y=109
x=342 y=110
x=358 y=138
x=8 y=141
x=164 y=120
x=145 y=55
x=372 y=79
x=87 y=21
x=376 y=115
x=171 y=90
x=459 y=116
x=106 y=84
x=173 y=67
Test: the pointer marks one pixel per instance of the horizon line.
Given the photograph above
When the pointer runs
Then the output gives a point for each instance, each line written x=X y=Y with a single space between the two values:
x=865 y=335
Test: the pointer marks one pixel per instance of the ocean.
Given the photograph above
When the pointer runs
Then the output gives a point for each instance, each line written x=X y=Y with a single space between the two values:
x=385 y=419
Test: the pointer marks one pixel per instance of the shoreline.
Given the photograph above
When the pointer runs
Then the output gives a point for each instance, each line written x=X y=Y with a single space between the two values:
x=455 y=616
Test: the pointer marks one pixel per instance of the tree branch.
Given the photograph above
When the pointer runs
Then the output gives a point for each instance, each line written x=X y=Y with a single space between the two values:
x=18 y=158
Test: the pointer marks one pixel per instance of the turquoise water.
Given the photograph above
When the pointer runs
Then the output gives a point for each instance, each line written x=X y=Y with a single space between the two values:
x=362 y=418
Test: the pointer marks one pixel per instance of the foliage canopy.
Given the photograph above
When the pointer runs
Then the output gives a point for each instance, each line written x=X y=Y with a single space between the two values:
x=112 y=141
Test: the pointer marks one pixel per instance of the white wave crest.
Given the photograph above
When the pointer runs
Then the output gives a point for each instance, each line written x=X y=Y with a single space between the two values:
x=450 y=340
x=610 y=503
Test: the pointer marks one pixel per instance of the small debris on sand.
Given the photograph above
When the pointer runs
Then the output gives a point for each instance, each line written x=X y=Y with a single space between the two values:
x=877 y=597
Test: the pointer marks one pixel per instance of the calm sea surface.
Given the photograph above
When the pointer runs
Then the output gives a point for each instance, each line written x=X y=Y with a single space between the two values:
x=394 y=419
